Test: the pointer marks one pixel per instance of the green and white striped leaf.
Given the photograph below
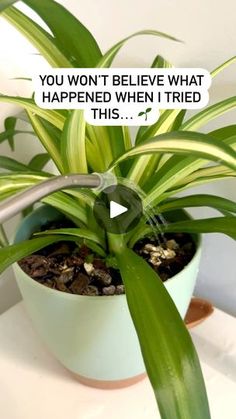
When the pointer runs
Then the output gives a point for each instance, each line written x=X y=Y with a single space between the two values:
x=180 y=171
x=193 y=174
x=10 y=184
x=224 y=132
x=185 y=143
x=127 y=137
x=94 y=157
x=161 y=62
x=144 y=167
x=87 y=237
x=3 y=237
x=198 y=182
x=225 y=225
x=72 y=38
x=164 y=123
x=40 y=38
x=108 y=143
x=109 y=56
x=4 y=4
x=68 y=206
x=199 y=200
x=208 y=114
x=13 y=165
x=73 y=147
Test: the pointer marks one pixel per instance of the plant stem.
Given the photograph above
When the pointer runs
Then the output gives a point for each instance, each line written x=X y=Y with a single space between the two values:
x=3 y=237
x=116 y=242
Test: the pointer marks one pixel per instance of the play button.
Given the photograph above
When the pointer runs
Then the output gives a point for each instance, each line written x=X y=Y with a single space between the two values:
x=118 y=209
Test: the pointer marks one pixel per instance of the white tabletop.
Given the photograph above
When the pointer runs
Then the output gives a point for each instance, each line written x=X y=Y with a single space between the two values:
x=33 y=385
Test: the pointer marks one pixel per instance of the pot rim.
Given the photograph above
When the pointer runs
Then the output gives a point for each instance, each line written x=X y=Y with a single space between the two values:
x=198 y=243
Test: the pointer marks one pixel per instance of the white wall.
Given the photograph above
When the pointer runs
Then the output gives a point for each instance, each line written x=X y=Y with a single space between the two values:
x=208 y=29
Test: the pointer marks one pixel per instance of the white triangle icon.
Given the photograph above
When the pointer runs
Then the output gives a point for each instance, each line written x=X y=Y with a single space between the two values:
x=116 y=209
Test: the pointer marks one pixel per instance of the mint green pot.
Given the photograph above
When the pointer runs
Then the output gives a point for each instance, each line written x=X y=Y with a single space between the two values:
x=93 y=337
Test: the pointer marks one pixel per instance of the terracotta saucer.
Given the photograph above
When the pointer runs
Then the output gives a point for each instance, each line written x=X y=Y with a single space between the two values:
x=198 y=311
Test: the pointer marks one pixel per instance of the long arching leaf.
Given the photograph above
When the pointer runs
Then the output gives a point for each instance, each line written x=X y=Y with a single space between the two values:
x=199 y=200
x=109 y=56
x=54 y=117
x=185 y=143
x=4 y=4
x=71 y=36
x=168 y=352
x=225 y=225
x=13 y=165
x=73 y=147
x=40 y=38
x=15 y=252
x=39 y=161
x=208 y=114
x=77 y=232
x=49 y=143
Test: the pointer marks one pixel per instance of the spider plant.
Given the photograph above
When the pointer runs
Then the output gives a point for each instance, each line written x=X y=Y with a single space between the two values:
x=167 y=157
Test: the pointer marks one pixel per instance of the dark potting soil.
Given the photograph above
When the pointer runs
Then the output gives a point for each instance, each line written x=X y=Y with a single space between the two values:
x=74 y=269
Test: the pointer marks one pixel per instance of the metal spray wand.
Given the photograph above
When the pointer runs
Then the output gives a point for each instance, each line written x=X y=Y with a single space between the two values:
x=17 y=203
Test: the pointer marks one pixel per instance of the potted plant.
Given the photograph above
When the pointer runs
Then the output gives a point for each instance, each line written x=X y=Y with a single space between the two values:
x=93 y=331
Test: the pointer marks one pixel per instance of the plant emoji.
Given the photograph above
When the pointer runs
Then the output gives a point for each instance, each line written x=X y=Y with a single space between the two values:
x=145 y=113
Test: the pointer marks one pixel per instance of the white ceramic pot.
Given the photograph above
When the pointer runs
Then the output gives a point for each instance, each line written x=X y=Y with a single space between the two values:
x=93 y=337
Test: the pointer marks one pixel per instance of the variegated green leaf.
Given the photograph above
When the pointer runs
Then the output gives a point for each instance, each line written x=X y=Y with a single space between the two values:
x=68 y=206
x=54 y=117
x=161 y=62
x=200 y=180
x=77 y=232
x=11 y=183
x=144 y=167
x=40 y=38
x=4 y=4
x=198 y=200
x=73 y=149
x=225 y=225
x=10 y=134
x=168 y=352
x=208 y=114
x=8 y=163
x=72 y=38
x=185 y=143
x=109 y=56
x=15 y=252
x=50 y=144
x=38 y=162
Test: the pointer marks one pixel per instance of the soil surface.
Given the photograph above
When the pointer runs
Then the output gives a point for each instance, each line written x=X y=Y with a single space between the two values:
x=66 y=267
